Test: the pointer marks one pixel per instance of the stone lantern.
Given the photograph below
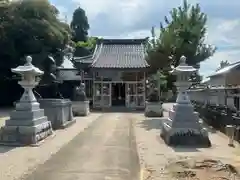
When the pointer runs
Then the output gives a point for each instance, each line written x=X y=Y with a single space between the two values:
x=183 y=127
x=27 y=124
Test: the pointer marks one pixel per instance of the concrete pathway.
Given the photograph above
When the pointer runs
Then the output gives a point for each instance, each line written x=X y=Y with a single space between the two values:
x=106 y=150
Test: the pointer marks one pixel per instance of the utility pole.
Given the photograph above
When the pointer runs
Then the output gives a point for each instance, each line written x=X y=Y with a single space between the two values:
x=153 y=36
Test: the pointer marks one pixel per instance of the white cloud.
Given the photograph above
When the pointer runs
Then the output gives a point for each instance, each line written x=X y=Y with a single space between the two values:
x=211 y=64
x=135 y=34
x=124 y=12
x=94 y=8
x=62 y=12
x=223 y=34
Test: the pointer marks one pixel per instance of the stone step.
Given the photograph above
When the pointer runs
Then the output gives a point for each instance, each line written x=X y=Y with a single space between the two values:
x=26 y=122
x=25 y=115
x=26 y=106
x=181 y=115
x=28 y=130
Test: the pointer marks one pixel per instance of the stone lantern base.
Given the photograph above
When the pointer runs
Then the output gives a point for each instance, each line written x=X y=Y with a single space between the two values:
x=153 y=109
x=27 y=125
x=81 y=108
x=183 y=128
x=58 y=111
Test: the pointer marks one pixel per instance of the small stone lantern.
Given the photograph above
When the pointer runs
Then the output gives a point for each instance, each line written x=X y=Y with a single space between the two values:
x=27 y=124
x=182 y=126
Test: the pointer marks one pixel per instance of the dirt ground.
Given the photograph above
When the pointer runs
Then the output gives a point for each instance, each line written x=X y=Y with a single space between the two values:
x=161 y=162
x=202 y=169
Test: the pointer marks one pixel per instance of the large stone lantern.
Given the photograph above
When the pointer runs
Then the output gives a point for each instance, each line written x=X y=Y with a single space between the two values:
x=27 y=124
x=183 y=127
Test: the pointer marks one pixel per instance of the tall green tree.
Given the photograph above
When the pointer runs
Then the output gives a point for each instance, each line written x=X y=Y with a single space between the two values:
x=29 y=27
x=181 y=34
x=80 y=25
x=156 y=55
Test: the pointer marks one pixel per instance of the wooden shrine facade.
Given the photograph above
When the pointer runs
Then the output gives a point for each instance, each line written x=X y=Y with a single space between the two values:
x=115 y=74
x=122 y=88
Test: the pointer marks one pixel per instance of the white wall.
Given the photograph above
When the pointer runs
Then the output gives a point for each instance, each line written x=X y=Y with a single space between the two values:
x=69 y=75
x=213 y=97
x=217 y=81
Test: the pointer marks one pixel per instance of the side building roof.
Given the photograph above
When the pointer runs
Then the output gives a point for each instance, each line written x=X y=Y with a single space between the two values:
x=226 y=69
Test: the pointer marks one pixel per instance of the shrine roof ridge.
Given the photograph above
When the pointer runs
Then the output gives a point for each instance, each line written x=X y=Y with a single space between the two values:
x=123 y=41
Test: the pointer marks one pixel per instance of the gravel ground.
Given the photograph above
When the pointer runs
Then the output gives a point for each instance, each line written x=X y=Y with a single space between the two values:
x=155 y=155
x=16 y=162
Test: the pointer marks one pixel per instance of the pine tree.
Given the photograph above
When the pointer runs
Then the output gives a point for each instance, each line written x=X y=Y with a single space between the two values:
x=182 y=34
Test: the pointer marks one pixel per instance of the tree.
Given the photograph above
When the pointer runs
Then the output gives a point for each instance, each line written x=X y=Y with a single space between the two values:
x=29 y=28
x=85 y=48
x=156 y=56
x=80 y=25
x=159 y=80
x=182 y=34
x=223 y=64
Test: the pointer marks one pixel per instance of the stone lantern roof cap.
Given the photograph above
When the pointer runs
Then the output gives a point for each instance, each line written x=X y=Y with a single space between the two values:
x=28 y=67
x=183 y=67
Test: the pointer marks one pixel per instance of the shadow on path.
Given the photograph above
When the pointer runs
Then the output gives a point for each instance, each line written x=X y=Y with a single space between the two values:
x=4 y=149
x=152 y=123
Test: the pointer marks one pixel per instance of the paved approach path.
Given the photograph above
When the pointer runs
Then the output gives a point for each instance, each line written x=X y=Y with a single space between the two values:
x=106 y=150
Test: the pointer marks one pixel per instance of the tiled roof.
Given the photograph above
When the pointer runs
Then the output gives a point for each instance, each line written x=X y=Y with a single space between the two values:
x=120 y=53
x=226 y=69
x=84 y=59
x=87 y=59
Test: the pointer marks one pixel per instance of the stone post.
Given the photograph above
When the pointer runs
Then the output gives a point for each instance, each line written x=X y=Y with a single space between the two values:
x=230 y=131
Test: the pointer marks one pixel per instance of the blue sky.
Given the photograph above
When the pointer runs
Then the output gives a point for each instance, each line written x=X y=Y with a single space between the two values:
x=134 y=19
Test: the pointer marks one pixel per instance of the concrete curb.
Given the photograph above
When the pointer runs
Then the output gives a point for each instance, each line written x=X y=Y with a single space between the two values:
x=140 y=160
x=143 y=172
x=135 y=153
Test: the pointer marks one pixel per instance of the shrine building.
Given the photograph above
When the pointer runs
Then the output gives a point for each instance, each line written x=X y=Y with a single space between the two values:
x=115 y=74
